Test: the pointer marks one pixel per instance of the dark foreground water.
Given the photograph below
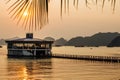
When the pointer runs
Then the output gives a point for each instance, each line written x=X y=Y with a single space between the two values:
x=56 y=69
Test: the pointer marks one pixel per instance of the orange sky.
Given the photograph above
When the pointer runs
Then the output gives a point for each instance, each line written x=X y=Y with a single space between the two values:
x=78 y=22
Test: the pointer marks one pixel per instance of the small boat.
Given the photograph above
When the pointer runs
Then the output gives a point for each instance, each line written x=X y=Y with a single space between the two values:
x=0 y=46
x=58 y=45
x=79 y=46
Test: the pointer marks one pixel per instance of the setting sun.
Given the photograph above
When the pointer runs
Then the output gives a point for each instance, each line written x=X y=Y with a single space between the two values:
x=25 y=13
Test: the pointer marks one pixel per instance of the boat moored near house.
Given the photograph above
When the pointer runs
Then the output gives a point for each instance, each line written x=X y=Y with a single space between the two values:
x=29 y=47
x=0 y=46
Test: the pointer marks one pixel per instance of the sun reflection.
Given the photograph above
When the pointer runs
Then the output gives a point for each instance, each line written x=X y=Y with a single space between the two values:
x=25 y=73
x=29 y=69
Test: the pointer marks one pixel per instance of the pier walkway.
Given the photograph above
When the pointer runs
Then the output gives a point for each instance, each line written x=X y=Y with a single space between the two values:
x=88 y=57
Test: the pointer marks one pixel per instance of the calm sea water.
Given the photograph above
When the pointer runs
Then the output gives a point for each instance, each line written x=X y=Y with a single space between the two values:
x=96 y=51
x=60 y=69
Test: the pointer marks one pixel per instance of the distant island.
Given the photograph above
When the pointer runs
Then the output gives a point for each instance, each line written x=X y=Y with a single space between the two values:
x=96 y=40
x=115 y=42
x=99 y=39
x=2 y=42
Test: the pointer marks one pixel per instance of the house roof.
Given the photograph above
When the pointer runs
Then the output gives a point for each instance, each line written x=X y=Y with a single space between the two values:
x=27 y=40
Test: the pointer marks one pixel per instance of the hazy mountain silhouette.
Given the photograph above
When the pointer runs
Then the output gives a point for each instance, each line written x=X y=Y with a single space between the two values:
x=2 y=42
x=13 y=38
x=49 y=39
x=115 y=42
x=99 y=39
x=60 y=42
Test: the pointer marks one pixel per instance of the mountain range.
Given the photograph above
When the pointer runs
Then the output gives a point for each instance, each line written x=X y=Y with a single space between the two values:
x=115 y=42
x=98 y=39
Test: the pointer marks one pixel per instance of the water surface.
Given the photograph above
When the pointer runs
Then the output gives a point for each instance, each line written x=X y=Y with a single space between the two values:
x=59 y=69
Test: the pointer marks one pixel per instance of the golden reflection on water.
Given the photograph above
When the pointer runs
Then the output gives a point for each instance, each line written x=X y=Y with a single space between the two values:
x=29 y=69
x=33 y=14
x=61 y=69
x=57 y=69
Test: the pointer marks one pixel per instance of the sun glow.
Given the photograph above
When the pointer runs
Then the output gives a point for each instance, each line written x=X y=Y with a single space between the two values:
x=25 y=13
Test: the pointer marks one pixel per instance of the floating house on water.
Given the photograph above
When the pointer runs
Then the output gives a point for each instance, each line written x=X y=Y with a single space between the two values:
x=29 y=47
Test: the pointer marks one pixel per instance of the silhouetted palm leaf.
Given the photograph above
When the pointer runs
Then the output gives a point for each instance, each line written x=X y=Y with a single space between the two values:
x=33 y=14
